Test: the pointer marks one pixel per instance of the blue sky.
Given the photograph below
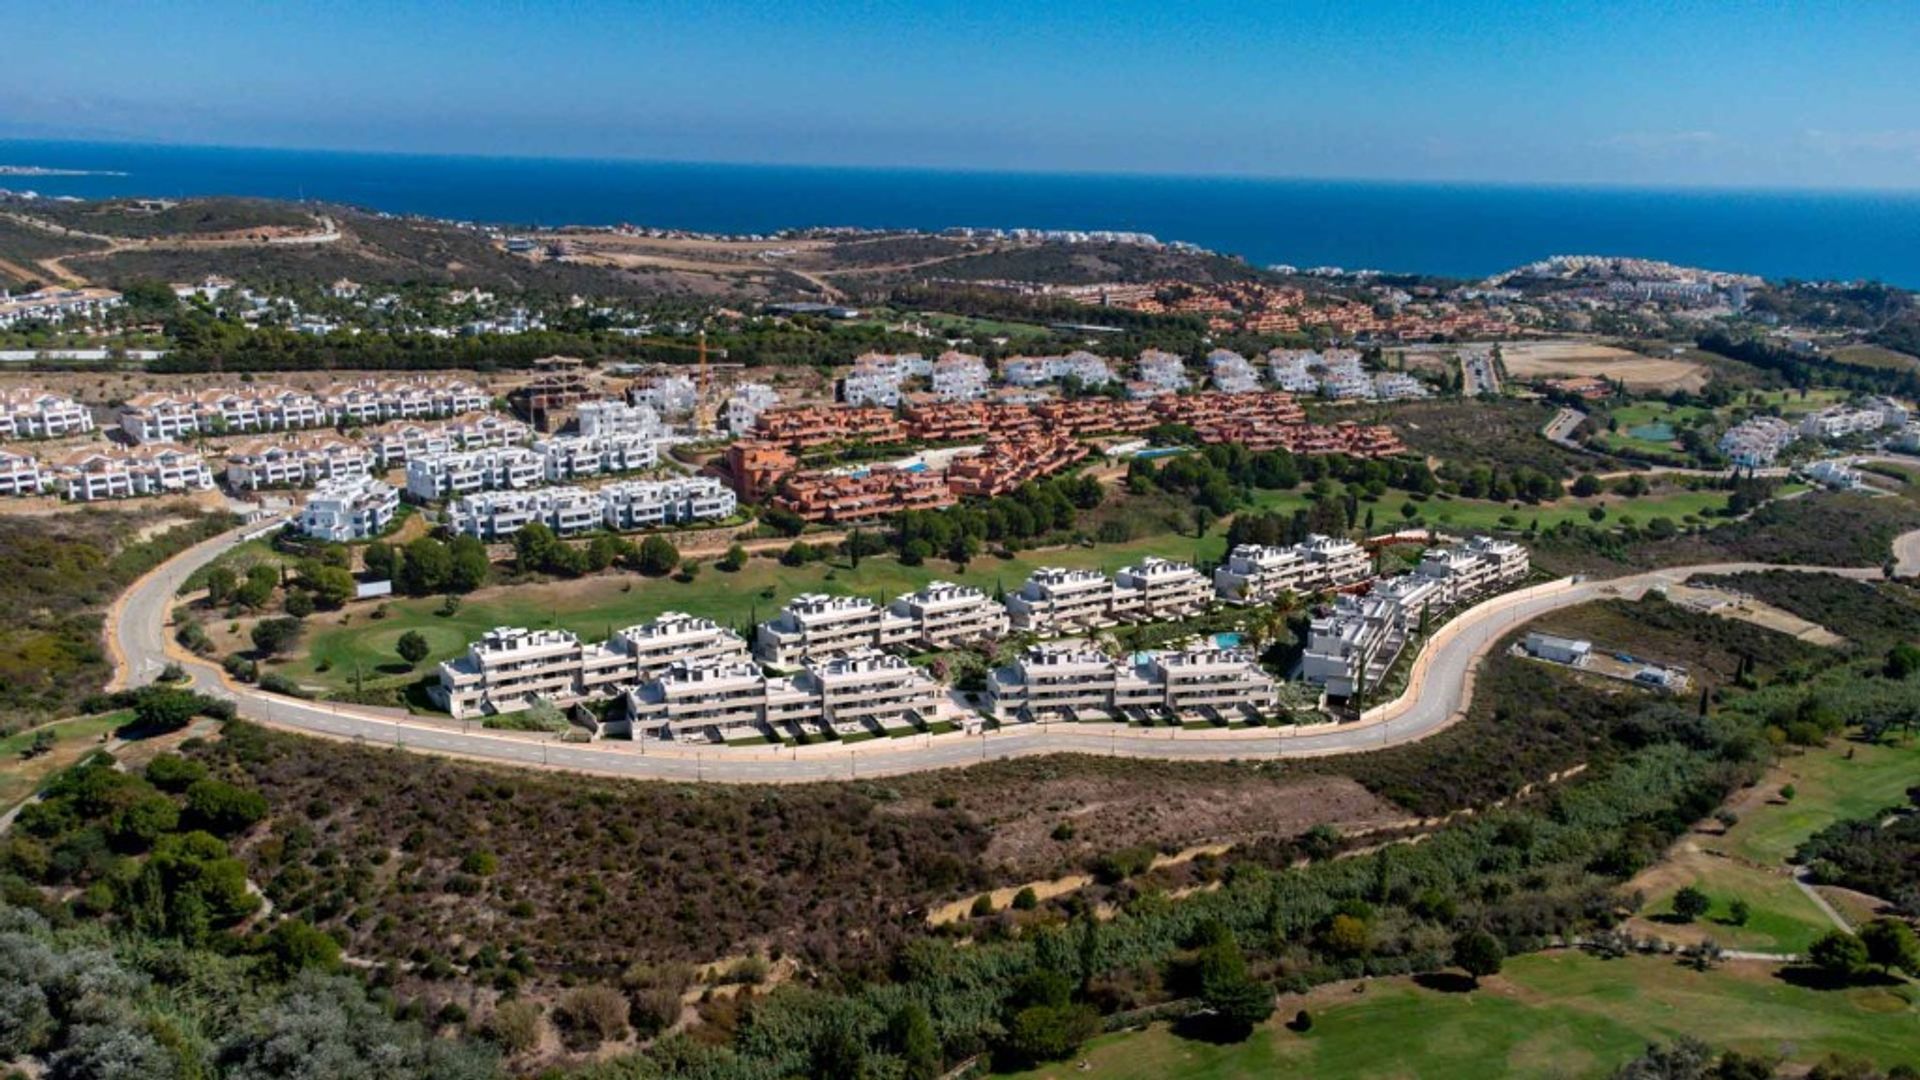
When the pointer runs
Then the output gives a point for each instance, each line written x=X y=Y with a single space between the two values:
x=1677 y=93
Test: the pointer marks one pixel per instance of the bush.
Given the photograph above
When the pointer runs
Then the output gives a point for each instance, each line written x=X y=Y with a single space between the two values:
x=656 y=557
x=592 y=1015
x=171 y=772
x=514 y=1027
x=412 y=647
x=1690 y=903
x=1026 y=899
x=222 y=808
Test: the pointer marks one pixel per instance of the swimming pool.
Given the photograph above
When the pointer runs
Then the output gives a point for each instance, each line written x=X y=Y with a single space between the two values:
x=1227 y=640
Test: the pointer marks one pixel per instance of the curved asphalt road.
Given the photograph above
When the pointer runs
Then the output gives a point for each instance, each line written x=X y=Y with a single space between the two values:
x=1441 y=686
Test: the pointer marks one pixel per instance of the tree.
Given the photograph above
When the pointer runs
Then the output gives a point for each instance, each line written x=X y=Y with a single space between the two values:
x=412 y=647
x=1902 y=660
x=330 y=585
x=171 y=772
x=1690 y=903
x=592 y=1015
x=1739 y=911
x=1479 y=954
x=1891 y=944
x=533 y=547
x=380 y=560
x=656 y=557
x=467 y=564
x=514 y=1026
x=223 y=809
x=911 y=1037
x=221 y=581
x=272 y=636
x=1026 y=899
x=159 y=708
x=734 y=559
x=293 y=946
x=1049 y=1032
x=427 y=568
x=262 y=579
x=1838 y=954
x=298 y=603
x=1236 y=1001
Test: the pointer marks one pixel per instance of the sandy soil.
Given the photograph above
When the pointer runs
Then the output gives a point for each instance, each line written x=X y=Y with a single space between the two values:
x=1557 y=359
x=1759 y=613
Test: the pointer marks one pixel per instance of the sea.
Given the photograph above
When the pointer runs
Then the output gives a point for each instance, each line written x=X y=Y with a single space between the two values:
x=1459 y=230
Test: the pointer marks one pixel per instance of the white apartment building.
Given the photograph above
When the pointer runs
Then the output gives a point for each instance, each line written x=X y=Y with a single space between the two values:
x=22 y=474
x=497 y=515
x=114 y=473
x=959 y=376
x=815 y=625
x=1089 y=369
x=349 y=509
x=1255 y=574
x=55 y=305
x=945 y=614
x=746 y=403
x=1756 y=441
x=877 y=378
x=862 y=691
x=676 y=637
x=1231 y=373
x=1399 y=386
x=1055 y=601
x=400 y=441
x=576 y=457
x=1835 y=473
x=374 y=401
x=1908 y=441
x=630 y=505
x=494 y=468
x=1163 y=371
x=294 y=461
x=1366 y=634
x=1841 y=421
x=36 y=414
x=1158 y=589
x=510 y=668
x=1068 y=680
x=667 y=395
x=614 y=417
x=1292 y=370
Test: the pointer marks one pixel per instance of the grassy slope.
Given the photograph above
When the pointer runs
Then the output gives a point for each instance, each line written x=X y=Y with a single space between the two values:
x=1558 y=1014
x=1829 y=786
x=1483 y=514
x=21 y=776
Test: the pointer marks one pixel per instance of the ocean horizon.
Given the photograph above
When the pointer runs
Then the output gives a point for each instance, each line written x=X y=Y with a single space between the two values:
x=1467 y=230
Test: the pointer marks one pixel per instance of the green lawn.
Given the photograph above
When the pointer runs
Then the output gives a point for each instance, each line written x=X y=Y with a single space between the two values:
x=1780 y=917
x=1562 y=1014
x=21 y=777
x=239 y=559
x=591 y=607
x=1828 y=787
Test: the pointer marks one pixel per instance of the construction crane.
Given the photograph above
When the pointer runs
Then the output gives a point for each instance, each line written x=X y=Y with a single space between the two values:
x=703 y=408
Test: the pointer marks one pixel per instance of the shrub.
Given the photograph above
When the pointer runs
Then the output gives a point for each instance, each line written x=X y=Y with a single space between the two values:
x=514 y=1027
x=591 y=1015
x=171 y=772
x=1026 y=899
x=1690 y=903
x=412 y=647
x=222 y=808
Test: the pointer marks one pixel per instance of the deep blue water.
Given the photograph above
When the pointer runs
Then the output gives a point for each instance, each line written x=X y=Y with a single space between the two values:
x=1457 y=229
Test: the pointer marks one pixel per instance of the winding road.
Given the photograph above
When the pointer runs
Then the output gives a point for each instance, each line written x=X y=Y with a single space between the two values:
x=1440 y=686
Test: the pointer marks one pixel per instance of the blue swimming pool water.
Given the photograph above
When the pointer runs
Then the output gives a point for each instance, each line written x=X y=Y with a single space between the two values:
x=1226 y=640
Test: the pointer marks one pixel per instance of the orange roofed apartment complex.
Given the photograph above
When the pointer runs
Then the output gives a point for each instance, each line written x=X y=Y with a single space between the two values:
x=1023 y=442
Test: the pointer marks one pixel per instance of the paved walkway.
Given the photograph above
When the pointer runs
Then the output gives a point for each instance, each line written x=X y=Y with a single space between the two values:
x=1440 y=686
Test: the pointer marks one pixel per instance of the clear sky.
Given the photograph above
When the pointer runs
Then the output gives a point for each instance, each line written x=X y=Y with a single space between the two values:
x=1727 y=93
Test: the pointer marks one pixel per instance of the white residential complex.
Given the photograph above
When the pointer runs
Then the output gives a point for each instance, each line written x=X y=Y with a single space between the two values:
x=511 y=667
x=118 y=473
x=746 y=403
x=1089 y=369
x=22 y=474
x=55 y=305
x=401 y=441
x=1841 y=421
x=959 y=376
x=1756 y=441
x=296 y=460
x=349 y=509
x=1255 y=574
x=577 y=457
x=671 y=396
x=877 y=378
x=494 y=468
x=1354 y=645
x=36 y=414
x=1071 y=681
x=1163 y=372
x=1056 y=601
x=615 y=417
x=944 y=614
x=815 y=625
x=863 y=691
x=621 y=507
x=161 y=416
x=1231 y=373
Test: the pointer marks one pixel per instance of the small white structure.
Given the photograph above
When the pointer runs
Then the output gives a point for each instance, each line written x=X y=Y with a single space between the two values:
x=349 y=509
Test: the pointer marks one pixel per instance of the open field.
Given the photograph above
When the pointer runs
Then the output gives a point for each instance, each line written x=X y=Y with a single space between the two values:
x=1781 y=918
x=1559 y=1014
x=1876 y=356
x=1563 y=359
x=21 y=776
x=592 y=606
x=1844 y=781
